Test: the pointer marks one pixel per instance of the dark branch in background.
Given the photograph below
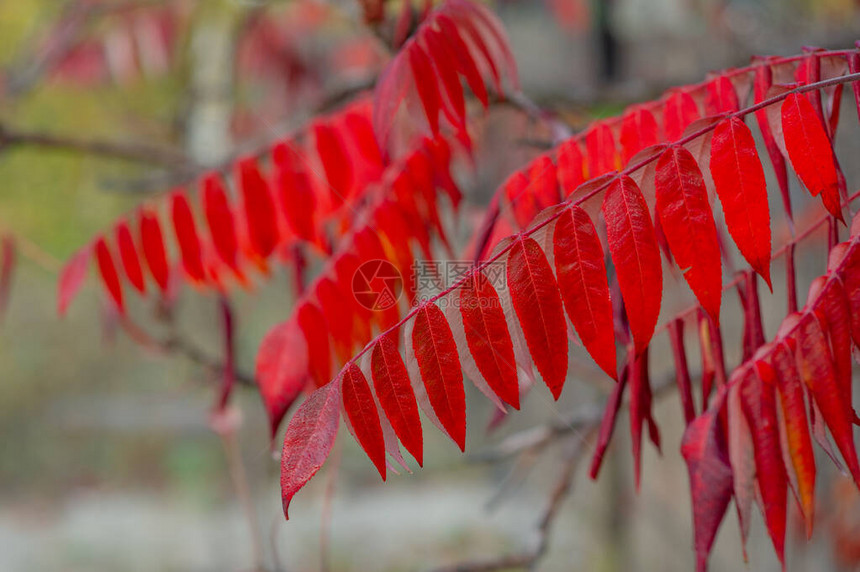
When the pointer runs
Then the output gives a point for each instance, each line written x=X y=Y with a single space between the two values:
x=179 y=345
x=575 y=429
x=527 y=559
x=128 y=151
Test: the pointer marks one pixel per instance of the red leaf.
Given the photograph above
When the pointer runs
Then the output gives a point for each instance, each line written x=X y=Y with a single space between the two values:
x=394 y=390
x=259 y=206
x=679 y=112
x=425 y=83
x=687 y=221
x=186 y=237
x=389 y=93
x=308 y=440
x=335 y=162
x=465 y=63
x=362 y=414
x=72 y=278
x=488 y=337
x=522 y=201
x=761 y=86
x=759 y=406
x=704 y=449
x=799 y=444
x=640 y=411
x=634 y=251
x=107 y=270
x=335 y=305
x=282 y=370
x=600 y=144
x=607 y=423
x=639 y=130
x=721 y=96
x=740 y=184
x=153 y=248
x=571 y=166
x=297 y=200
x=537 y=302
x=439 y=364
x=682 y=371
x=817 y=371
x=810 y=151
x=543 y=182
x=313 y=325
x=128 y=254
x=219 y=217
x=444 y=63
x=741 y=455
x=581 y=271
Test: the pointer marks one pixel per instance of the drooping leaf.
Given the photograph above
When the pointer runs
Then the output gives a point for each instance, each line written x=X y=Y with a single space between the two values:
x=759 y=406
x=581 y=271
x=108 y=273
x=607 y=423
x=640 y=411
x=688 y=223
x=425 y=83
x=361 y=411
x=154 y=253
x=537 y=302
x=600 y=144
x=394 y=390
x=741 y=454
x=799 y=445
x=308 y=440
x=682 y=371
x=810 y=151
x=721 y=96
x=219 y=217
x=259 y=206
x=761 y=87
x=187 y=237
x=282 y=369
x=704 y=449
x=635 y=255
x=680 y=111
x=335 y=162
x=439 y=364
x=740 y=184
x=571 y=166
x=488 y=338
x=72 y=278
x=817 y=371
x=312 y=322
x=128 y=255
x=465 y=62
x=639 y=130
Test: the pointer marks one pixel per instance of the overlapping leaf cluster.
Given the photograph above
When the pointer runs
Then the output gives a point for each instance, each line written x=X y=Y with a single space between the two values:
x=682 y=153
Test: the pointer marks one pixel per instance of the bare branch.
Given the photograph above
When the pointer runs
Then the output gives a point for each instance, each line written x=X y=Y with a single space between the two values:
x=527 y=559
x=128 y=151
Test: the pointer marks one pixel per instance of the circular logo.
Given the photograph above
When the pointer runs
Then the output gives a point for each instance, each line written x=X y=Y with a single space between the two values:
x=377 y=285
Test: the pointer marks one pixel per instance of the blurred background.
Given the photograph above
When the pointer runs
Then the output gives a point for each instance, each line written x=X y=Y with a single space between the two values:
x=108 y=460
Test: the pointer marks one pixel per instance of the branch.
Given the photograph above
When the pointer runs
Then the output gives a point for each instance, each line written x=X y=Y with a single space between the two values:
x=179 y=345
x=527 y=559
x=128 y=151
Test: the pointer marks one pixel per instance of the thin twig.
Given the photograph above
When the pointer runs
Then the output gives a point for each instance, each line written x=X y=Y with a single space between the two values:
x=179 y=345
x=128 y=151
x=239 y=476
x=527 y=559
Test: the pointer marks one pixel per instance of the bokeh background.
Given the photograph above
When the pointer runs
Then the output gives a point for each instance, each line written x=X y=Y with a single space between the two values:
x=107 y=459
